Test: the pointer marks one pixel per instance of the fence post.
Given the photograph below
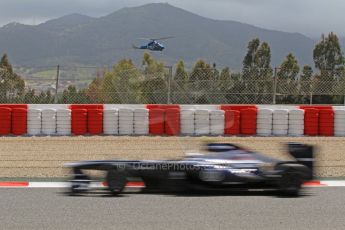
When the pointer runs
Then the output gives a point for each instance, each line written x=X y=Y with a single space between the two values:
x=169 y=84
x=274 y=86
x=57 y=84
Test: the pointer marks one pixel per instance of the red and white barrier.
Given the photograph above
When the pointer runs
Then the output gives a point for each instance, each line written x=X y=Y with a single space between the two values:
x=173 y=120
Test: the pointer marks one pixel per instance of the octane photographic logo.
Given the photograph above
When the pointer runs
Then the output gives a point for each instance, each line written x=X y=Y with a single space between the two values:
x=158 y=166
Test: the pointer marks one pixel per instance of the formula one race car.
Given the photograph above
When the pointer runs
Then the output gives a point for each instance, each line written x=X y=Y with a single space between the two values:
x=225 y=167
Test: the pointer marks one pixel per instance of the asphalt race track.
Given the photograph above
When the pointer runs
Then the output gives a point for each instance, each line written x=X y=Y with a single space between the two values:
x=36 y=208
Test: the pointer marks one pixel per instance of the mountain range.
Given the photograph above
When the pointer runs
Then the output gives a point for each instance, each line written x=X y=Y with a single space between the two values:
x=83 y=40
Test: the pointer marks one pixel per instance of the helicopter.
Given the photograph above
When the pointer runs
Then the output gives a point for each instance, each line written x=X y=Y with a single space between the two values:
x=153 y=45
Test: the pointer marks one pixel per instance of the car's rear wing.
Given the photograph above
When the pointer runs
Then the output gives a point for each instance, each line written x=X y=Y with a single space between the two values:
x=303 y=154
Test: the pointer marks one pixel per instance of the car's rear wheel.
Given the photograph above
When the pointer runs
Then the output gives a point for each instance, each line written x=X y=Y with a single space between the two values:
x=290 y=183
x=116 y=180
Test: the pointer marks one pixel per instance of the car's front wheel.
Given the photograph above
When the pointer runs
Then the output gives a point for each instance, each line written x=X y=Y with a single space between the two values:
x=116 y=181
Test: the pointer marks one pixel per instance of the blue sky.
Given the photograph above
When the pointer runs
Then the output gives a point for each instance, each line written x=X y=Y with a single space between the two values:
x=310 y=17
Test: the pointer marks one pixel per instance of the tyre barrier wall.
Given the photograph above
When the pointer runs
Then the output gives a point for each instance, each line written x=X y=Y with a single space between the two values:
x=172 y=120
x=13 y=119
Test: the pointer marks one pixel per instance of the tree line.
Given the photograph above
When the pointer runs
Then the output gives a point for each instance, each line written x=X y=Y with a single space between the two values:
x=257 y=82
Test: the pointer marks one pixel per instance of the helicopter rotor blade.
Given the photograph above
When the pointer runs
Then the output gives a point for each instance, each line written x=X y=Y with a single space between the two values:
x=149 y=39
x=156 y=39
x=163 y=38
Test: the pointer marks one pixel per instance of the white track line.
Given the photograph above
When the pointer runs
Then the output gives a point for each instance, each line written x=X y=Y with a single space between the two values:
x=323 y=183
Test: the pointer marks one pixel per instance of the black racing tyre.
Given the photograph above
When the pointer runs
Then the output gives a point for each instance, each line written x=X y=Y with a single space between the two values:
x=290 y=183
x=116 y=180
x=80 y=184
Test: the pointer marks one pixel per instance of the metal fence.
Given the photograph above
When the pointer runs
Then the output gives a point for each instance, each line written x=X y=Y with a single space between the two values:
x=59 y=84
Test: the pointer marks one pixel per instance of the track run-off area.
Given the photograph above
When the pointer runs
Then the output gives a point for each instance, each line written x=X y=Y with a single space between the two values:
x=50 y=208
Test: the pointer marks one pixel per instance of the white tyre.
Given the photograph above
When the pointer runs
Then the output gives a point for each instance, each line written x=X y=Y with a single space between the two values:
x=125 y=112
x=126 y=118
x=141 y=127
x=191 y=125
x=125 y=124
x=125 y=132
x=34 y=126
x=34 y=116
x=187 y=120
x=217 y=132
x=111 y=120
x=48 y=122
x=339 y=111
x=34 y=111
x=280 y=127
x=50 y=119
x=202 y=122
x=202 y=127
x=187 y=117
x=187 y=113
x=113 y=114
x=296 y=122
x=146 y=123
x=63 y=118
x=280 y=122
x=298 y=112
x=217 y=113
x=111 y=126
x=34 y=120
x=63 y=127
x=141 y=112
x=296 y=117
x=48 y=131
x=202 y=112
x=339 y=134
x=64 y=113
x=217 y=120
x=339 y=130
x=48 y=112
x=37 y=122
x=279 y=132
x=111 y=132
x=34 y=132
x=296 y=126
x=264 y=132
x=187 y=125
x=280 y=117
x=264 y=117
x=263 y=126
x=145 y=120
x=280 y=111
x=265 y=112
x=296 y=132
x=140 y=132
x=339 y=117
x=202 y=118
x=339 y=120
x=48 y=127
x=202 y=132
x=217 y=128
x=187 y=132
x=339 y=125
x=264 y=121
